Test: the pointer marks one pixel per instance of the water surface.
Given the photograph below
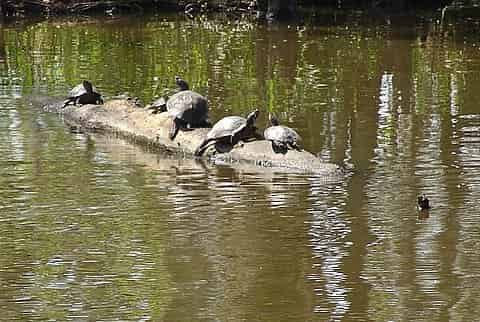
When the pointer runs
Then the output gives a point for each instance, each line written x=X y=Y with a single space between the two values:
x=94 y=228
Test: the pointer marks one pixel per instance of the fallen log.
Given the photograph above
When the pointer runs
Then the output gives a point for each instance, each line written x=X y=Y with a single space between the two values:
x=122 y=117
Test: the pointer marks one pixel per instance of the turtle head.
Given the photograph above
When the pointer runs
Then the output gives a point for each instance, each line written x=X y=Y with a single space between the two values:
x=162 y=104
x=252 y=117
x=273 y=119
x=182 y=85
x=88 y=86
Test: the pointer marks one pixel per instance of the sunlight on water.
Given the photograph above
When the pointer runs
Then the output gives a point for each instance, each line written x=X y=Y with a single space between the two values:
x=96 y=228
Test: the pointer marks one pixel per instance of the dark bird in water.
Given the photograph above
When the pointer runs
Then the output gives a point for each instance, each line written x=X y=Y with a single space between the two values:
x=423 y=203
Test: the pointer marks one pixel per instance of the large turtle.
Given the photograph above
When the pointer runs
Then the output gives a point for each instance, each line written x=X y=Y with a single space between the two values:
x=282 y=137
x=187 y=108
x=230 y=130
x=83 y=93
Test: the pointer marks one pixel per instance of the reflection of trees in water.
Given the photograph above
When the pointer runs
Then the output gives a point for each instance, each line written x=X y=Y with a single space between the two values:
x=403 y=109
x=276 y=61
x=418 y=123
x=2 y=45
x=398 y=102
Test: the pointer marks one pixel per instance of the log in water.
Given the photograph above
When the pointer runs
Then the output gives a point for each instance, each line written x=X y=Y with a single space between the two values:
x=124 y=118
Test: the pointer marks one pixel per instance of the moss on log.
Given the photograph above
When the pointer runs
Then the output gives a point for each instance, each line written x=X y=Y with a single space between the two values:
x=124 y=118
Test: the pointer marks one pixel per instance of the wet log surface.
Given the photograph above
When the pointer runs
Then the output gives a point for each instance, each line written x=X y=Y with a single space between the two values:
x=123 y=118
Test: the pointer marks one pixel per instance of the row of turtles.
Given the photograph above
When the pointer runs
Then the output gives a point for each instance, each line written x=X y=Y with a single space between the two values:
x=189 y=110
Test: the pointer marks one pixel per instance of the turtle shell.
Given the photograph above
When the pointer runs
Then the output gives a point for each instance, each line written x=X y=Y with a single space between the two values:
x=282 y=134
x=159 y=102
x=188 y=106
x=159 y=105
x=226 y=127
x=79 y=90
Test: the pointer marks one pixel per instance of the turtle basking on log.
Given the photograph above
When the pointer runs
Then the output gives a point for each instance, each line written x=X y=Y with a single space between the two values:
x=230 y=130
x=187 y=108
x=83 y=93
x=139 y=126
x=282 y=137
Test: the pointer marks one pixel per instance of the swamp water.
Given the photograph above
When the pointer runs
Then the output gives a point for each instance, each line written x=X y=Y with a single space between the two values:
x=94 y=228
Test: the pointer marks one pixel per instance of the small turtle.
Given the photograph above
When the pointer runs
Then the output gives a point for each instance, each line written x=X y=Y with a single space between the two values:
x=230 y=130
x=187 y=108
x=423 y=203
x=282 y=137
x=83 y=93
x=158 y=106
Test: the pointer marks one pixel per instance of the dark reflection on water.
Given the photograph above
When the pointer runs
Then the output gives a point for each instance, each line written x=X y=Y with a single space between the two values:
x=94 y=228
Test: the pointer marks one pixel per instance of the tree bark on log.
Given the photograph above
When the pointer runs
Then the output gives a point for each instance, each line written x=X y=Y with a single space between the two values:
x=120 y=117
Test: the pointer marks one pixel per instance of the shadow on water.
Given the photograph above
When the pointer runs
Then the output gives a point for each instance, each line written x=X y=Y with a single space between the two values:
x=93 y=228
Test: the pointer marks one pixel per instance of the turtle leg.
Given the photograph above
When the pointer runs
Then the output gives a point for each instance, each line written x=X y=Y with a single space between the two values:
x=295 y=146
x=202 y=147
x=98 y=99
x=279 y=147
x=236 y=135
x=67 y=102
x=174 y=129
x=234 y=138
x=188 y=127
x=162 y=108
x=153 y=108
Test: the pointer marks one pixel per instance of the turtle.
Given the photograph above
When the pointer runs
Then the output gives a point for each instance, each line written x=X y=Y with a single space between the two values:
x=158 y=106
x=83 y=93
x=423 y=203
x=187 y=108
x=282 y=137
x=230 y=130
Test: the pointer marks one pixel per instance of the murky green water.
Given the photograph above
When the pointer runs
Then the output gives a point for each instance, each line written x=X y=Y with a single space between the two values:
x=96 y=229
